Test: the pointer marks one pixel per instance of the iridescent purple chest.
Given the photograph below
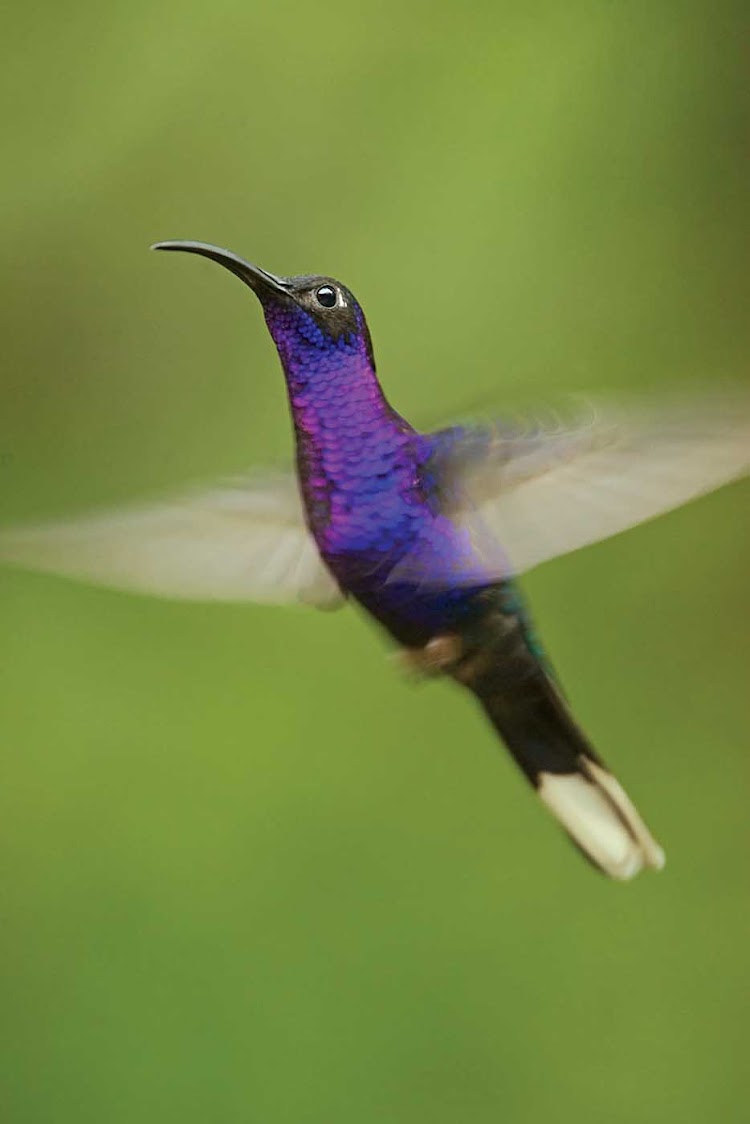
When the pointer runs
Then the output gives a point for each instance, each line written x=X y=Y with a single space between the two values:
x=360 y=478
x=374 y=508
x=370 y=501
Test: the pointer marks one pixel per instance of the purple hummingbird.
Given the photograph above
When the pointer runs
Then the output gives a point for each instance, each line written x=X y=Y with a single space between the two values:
x=426 y=531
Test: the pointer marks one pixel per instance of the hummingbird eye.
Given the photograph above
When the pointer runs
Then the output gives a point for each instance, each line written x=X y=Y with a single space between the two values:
x=326 y=296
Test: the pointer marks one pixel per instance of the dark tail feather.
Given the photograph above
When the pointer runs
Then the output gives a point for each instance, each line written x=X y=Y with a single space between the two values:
x=527 y=710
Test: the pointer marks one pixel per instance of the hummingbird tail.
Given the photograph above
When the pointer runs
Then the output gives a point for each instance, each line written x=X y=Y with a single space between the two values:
x=533 y=720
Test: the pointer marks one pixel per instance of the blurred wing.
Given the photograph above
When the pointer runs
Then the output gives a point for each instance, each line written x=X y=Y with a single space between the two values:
x=547 y=489
x=243 y=540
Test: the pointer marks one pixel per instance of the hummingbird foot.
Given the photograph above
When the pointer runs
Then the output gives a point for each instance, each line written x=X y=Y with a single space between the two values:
x=438 y=655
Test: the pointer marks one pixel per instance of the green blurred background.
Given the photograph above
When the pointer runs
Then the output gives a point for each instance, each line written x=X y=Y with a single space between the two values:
x=249 y=874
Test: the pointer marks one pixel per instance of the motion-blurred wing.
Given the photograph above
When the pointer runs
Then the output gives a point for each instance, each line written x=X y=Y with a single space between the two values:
x=546 y=489
x=242 y=540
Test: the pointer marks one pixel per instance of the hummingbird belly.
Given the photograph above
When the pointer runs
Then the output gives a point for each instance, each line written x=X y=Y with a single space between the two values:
x=414 y=615
x=418 y=574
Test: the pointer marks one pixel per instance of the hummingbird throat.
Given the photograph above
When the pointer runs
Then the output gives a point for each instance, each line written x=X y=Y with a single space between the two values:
x=355 y=454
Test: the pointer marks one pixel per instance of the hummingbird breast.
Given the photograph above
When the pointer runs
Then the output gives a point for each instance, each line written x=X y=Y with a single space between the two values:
x=372 y=503
x=362 y=492
x=375 y=515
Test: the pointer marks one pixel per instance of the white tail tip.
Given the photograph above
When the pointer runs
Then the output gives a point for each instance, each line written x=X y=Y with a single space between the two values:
x=599 y=816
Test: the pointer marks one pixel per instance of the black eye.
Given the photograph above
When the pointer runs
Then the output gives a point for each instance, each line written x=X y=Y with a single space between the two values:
x=326 y=295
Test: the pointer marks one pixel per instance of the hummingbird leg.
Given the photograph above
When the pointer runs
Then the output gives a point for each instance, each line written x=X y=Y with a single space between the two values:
x=438 y=655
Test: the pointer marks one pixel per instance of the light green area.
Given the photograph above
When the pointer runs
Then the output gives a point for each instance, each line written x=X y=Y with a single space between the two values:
x=250 y=875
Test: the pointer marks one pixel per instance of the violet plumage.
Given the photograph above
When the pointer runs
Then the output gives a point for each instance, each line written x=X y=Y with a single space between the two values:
x=425 y=531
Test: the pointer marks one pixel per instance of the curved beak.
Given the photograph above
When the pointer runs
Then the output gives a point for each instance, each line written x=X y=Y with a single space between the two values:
x=260 y=281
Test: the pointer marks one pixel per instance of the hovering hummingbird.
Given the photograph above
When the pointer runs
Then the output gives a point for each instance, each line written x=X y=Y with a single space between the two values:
x=426 y=531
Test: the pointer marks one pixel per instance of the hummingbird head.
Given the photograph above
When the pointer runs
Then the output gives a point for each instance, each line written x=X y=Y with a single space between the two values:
x=316 y=323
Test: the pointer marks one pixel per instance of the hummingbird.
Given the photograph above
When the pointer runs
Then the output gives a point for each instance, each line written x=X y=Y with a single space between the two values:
x=426 y=531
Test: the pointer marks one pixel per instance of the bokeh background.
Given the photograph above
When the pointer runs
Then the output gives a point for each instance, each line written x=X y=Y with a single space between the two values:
x=248 y=873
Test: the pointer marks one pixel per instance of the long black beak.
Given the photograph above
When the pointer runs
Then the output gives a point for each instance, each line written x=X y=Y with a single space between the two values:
x=259 y=280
